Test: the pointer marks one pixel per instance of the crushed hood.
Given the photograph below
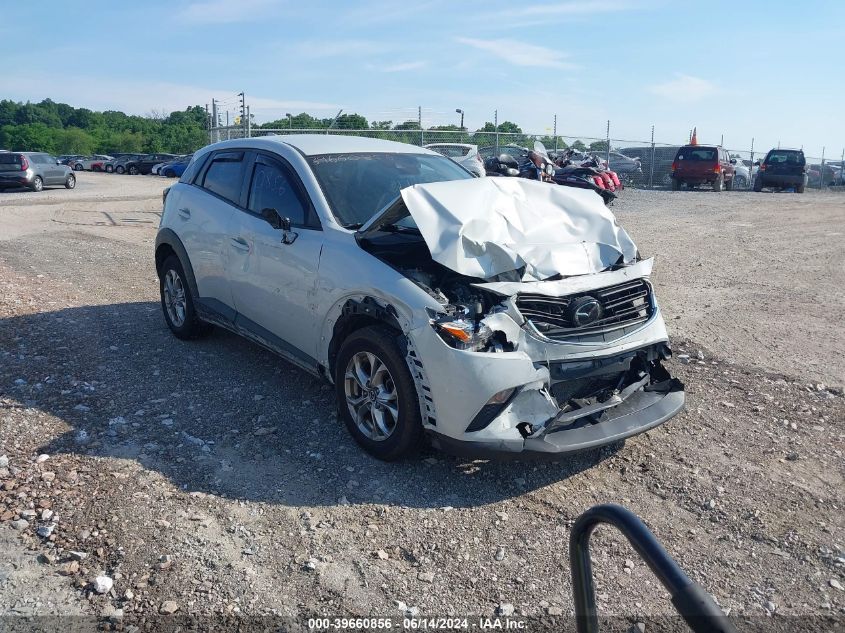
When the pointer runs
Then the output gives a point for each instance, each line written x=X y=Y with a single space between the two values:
x=485 y=227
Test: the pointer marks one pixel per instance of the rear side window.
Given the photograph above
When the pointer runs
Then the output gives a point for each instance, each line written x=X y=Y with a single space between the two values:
x=193 y=168
x=778 y=157
x=224 y=175
x=697 y=154
x=452 y=151
x=273 y=187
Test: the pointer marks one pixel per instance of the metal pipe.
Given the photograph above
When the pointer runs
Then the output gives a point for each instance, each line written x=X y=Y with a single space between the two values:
x=694 y=604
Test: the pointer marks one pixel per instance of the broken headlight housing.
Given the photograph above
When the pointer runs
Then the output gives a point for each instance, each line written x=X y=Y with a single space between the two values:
x=464 y=334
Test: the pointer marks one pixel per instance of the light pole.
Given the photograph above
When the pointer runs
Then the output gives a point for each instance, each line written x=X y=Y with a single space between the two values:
x=290 y=124
x=461 y=112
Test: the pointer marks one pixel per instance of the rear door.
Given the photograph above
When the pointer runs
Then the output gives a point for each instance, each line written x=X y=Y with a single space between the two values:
x=51 y=172
x=273 y=272
x=203 y=219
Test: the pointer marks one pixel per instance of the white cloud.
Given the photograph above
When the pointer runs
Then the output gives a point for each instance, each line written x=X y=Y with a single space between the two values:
x=520 y=53
x=137 y=97
x=684 y=88
x=400 y=67
x=323 y=49
x=226 y=11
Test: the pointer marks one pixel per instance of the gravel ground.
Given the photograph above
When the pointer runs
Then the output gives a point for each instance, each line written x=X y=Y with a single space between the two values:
x=211 y=478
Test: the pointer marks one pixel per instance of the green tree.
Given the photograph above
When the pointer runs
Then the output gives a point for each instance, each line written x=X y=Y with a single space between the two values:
x=598 y=146
x=32 y=137
x=351 y=122
x=73 y=140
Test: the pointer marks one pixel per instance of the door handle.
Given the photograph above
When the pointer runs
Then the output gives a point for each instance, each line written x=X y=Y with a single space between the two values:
x=184 y=213
x=240 y=243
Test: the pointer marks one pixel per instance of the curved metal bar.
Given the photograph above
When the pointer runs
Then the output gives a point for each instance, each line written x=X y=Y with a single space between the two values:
x=694 y=604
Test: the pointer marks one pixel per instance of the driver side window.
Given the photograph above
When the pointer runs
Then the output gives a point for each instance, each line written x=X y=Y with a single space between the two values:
x=272 y=187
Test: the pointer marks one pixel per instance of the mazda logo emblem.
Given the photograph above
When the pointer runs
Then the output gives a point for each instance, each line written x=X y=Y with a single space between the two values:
x=584 y=311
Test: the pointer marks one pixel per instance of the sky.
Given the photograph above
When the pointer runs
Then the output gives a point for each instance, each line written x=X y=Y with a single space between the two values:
x=769 y=70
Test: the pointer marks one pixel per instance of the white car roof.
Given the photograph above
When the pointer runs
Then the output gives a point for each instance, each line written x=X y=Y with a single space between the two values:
x=315 y=144
x=467 y=145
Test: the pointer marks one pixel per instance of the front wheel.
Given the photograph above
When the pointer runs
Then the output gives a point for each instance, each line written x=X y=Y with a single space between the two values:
x=376 y=395
x=170 y=174
x=70 y=182
x=133 y=170
x=109 y=169
x=37 y=184
x=120 y=169
x=741 y=182
x=78 y=167
x=177 y=302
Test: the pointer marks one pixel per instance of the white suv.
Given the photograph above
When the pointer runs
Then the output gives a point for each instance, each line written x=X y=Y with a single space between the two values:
x=491 y=315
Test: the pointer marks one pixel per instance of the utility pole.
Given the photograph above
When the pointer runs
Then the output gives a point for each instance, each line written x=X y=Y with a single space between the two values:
x=722 y=141
x=496 y=123
x=651 y=162
x=821 y=172
x=607 y=149
x=243 y=111
x=555 y=133
x=248 y=124
x=214 y=131
x=290 y=120
x=208 y=123
x=751 y=169
x=419 y=121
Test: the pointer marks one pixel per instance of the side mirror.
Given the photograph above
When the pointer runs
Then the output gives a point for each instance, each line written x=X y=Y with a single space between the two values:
x=272 y=217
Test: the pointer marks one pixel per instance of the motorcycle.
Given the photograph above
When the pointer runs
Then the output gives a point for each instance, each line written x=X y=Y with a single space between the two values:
x=536 y=165
x=596 y=168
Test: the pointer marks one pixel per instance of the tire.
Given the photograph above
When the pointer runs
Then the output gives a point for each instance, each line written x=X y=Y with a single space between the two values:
x=676 y=185
x=719 y=183
x=37 y=184
x=758 y=184
x=729 y=184
x=78 y=167
x=109 y=169
x=400 y=434
x=741 y=182
x=170 y=174
x=179 y=314
x=120 y=169
x=70 y=181
x=799 y=188
x=133 y=170
x=96 y=168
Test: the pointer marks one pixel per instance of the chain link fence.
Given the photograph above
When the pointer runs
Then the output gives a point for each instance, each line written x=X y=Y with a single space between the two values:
x=640 y=164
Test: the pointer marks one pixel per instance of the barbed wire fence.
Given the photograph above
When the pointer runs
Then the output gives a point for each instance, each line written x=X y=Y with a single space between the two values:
x=640 y=163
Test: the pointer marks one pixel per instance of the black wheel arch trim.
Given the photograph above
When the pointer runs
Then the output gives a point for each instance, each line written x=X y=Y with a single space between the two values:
x=168 y=237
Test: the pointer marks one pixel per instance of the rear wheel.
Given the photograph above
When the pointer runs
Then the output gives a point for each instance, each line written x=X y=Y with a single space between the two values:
x=37 y=184
x=177 y=302
x=170 y=173
x=70 y=181
x=799 y=188
x=729 y=185
x=676 y=184
x=133 y=170
x=78 y=167
x=758 y=184
x=376 y=394
x=719 y=183
x=109 y=169
x=120 y=169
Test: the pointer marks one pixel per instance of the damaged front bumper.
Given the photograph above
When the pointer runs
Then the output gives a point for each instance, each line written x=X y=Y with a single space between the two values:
x=566 y=397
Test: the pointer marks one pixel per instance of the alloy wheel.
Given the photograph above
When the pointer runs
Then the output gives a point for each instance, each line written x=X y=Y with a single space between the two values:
x=175 y=299
x=371 y=396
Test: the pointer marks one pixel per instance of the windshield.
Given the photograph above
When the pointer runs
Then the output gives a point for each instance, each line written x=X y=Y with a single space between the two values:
x=358 y=185
x=697 y=154
x=787 y=157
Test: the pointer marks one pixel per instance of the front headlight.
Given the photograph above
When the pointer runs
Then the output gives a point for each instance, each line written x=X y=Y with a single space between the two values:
x=463 y=334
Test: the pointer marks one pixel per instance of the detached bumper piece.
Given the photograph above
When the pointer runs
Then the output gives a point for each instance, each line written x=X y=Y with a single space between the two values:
x=607 y=400
x=601 y=401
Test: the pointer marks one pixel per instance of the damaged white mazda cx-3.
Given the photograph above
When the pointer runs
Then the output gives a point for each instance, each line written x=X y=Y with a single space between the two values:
x=491 y=315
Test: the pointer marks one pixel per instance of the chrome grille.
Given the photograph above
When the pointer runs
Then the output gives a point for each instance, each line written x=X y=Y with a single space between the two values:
x=623 y=305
